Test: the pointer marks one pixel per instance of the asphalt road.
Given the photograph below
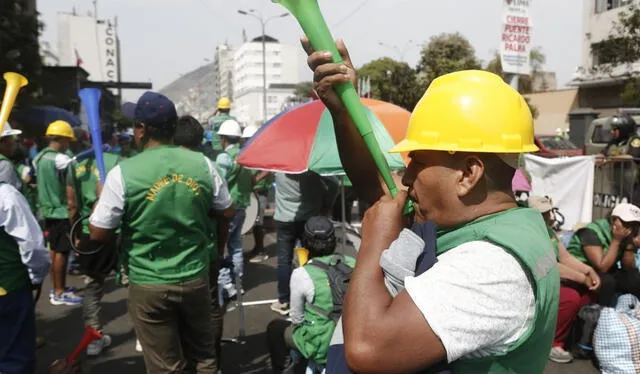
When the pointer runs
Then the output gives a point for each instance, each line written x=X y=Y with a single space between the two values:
x=62 y=328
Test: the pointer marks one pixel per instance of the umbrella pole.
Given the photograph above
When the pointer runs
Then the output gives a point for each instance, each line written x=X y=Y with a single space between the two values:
x=344 y=214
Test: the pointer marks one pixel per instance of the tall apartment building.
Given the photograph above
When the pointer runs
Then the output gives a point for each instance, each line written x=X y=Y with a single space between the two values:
x=282 y=71
x=224 y=62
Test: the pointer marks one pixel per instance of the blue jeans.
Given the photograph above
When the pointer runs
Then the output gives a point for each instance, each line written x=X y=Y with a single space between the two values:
x=286 y=235
x=17 y=333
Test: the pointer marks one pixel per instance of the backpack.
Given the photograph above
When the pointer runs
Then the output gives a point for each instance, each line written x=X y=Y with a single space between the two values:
x=339 y=275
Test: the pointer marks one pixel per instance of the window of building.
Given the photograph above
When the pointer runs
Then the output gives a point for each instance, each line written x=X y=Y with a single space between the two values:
x=606 y=5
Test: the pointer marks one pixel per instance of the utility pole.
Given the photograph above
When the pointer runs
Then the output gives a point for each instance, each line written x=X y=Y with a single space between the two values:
x=257 y=15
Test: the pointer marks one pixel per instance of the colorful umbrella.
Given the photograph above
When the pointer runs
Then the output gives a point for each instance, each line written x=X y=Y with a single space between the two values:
x=303 y=139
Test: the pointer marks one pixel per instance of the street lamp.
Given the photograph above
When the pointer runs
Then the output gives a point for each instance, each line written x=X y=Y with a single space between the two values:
x=257 y=15
x=400 y=51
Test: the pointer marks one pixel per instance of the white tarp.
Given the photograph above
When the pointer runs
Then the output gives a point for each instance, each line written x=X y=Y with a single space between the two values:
x=569 y=183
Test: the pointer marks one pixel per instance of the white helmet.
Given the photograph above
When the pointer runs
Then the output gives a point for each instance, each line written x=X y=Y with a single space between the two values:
x=8 y=131
x=249 y=131
x=230 y=128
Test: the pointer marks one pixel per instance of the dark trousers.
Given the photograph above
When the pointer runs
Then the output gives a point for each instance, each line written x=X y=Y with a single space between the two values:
x=280 y=343
x=618 y=282
x=17 y=333
x=173 y=324
x=286 y=235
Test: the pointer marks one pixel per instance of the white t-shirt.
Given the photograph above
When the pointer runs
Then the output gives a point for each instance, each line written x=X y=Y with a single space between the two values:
x=477 y=299
x=110 y=208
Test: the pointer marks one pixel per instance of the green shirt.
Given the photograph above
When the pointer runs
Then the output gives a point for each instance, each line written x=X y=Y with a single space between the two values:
x=523 y=233
x=84 y=177
x=166 y=229
x=51 y=182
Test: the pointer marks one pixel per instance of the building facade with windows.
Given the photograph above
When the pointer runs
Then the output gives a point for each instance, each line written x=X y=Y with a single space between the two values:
x=282 y=71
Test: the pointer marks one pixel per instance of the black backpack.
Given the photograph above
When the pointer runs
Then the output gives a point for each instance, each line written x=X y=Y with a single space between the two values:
x=339 y=275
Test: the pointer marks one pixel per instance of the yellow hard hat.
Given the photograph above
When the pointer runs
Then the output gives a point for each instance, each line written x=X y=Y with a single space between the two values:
x=470 y=111
x=60 y=128
x=224 y=103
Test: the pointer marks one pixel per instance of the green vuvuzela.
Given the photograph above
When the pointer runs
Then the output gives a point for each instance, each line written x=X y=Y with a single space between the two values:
x=310 y=18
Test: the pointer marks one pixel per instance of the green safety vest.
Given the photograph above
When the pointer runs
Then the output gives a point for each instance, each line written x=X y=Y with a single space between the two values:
x=84 y=177
x=239 y=179
x=313 y=336
x=507 y=229
x=601 y=228
x=52 y=198
x=13 y=273
x=166 y=229
x=215 y=123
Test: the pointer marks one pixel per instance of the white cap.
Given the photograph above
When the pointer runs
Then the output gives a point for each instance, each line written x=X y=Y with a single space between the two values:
x=8 y=131
x=249 y=131
x=541 y=203
x=230 y=128
x=627 y=212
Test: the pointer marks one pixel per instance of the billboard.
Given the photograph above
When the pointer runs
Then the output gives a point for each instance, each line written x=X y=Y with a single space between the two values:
x=90 y=44
x=516 y=37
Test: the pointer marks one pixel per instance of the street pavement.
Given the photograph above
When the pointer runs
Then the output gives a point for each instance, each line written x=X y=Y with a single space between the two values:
x=62 y=328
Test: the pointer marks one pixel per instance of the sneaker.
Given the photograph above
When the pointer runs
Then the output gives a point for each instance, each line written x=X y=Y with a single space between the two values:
x=280 y=308
x=97 y=346
x=66 y=298
x=560 y=356
x=259 y=257
x=138 y=346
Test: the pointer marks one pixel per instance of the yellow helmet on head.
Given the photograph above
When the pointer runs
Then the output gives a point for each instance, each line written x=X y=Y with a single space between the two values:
x=470 y=111
x=224 y=103
x=60 y=128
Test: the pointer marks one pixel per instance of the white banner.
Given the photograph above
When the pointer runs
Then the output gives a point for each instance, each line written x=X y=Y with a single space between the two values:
x=516 y=37
x=569 y=183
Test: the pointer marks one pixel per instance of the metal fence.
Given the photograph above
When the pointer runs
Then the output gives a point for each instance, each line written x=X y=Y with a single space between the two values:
x=615 y=182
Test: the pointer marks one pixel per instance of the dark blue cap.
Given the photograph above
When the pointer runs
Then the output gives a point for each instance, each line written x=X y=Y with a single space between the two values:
x=155 y=109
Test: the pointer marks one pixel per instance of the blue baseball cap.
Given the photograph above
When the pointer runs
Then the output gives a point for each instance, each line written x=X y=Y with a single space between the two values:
x=155 y=109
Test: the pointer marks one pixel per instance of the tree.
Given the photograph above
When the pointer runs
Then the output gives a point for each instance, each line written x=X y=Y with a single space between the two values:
x=537 y=60
x=19 y=48
x=621 y=47
x=446 y=53
x=392 y=81
x=303 y=90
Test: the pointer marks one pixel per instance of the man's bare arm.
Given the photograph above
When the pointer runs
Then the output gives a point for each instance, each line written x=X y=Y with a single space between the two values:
x=355 y=157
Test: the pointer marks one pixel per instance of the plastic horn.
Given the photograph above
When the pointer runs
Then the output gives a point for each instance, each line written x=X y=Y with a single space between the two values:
x=14 y=82
x=308 y=14
x=90 y=98
x=90 y=334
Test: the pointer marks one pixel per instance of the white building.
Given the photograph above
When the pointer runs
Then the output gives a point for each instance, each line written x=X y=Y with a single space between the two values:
x=224 y=63
x=598 y=20
x=282 y=67
x=89 y=43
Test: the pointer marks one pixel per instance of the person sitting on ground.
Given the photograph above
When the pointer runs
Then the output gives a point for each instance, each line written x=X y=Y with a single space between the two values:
x=578 y=283
x=603 y=243
x=313 y=306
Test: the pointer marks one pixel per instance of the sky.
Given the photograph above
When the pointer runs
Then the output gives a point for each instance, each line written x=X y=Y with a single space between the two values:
x=162 y=39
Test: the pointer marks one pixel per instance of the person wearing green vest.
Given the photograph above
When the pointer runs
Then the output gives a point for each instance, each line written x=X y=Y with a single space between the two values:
x=463 y=154
x=240 y=182
x=189 y=135
x=8 y=172
x=262 y=183
x=213 y=126
x=83 y=181
x=579 y=283
x=165 y=198
x=51 y=169
x=603 y=244
x=312 y=306
x=24 y=263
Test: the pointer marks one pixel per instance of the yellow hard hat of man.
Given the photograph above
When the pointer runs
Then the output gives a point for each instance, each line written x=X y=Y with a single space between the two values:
x=60 y=128
x=224 y=103
x=470 y=111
